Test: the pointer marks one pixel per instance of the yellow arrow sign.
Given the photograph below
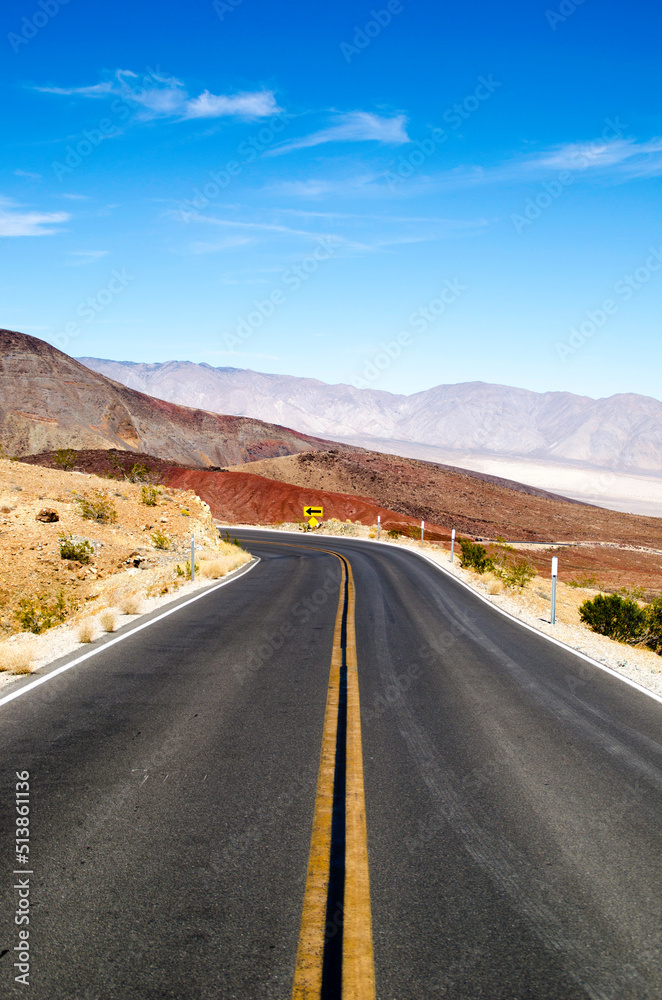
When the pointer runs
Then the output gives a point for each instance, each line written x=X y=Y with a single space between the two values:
x=313 y=511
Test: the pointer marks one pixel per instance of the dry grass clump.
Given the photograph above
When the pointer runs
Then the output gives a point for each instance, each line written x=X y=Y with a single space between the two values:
x=494 y=584
x=214 y=569
x=87 y=631
x=130 y=604
x=16 y=659
x=108 y=620
x=162 y=580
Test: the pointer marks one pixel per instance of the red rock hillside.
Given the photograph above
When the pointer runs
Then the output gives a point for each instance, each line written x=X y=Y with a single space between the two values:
x=50 y=401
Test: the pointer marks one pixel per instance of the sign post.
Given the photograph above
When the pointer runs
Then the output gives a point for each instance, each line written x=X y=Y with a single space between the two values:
x=452 y=545
x=555 y=573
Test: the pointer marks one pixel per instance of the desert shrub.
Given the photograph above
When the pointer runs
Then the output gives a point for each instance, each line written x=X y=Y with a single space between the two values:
x=474 y=556
x=139 y=473
x=588 y=581
x=69 y=549
x=161 y=540
x=15 y=660
x=130 y=605
x=41 y=612
x=87 y=632
x=615 y=616
x=187 y=570
x=108 y=620
x=98 y=507
x=149 y=495
x=393 y=533
x=514 y=570
x=65 y=458
x=653 y=612
x=494 y=585
x=214 y=569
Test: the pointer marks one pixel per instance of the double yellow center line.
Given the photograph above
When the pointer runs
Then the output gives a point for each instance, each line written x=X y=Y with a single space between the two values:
x=335 y=955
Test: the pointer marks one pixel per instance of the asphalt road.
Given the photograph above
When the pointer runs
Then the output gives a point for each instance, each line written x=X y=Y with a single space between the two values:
x=512 y=793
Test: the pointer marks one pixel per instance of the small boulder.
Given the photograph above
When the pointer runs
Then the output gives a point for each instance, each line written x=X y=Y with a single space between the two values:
x=47 y=515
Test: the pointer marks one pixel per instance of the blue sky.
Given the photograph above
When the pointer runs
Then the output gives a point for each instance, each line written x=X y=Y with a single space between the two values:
x=396 y=195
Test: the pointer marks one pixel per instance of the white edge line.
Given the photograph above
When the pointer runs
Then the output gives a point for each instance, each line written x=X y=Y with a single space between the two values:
x=125 y=635
x=485 y=600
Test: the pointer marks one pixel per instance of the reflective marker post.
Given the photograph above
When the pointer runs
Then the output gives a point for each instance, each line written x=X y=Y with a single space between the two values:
x=379 y=525
x=452 y=545
x=422 y=531
x=192 y=558
x=555 y=572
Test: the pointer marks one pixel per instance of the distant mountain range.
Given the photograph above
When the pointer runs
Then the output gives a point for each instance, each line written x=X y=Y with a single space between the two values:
x=49 y=401
x=622 y=433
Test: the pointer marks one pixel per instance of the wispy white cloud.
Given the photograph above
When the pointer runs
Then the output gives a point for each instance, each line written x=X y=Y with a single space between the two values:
x=330 y=187
x=260 y=104
x=218 y=246
x=76 y=197
x=28 y=174
x=599 y=155
x=265 y=227
x=352 y=126
x=616 y=160
x=155 y=95
x=85 y=256
x=353 y=234
x=15 y=221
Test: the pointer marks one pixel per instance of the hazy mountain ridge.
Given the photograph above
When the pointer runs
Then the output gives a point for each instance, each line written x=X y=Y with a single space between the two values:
x=48 y=400
x=621 y=432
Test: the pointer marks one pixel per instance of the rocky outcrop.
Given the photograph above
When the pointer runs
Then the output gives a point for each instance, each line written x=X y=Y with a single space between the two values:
x=49 y=401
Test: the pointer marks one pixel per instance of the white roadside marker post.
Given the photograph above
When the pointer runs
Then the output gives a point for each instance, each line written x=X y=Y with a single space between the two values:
x=379 y=525
x=192 y=558
x=422 y=531
x=555 y=573
x=452 y=545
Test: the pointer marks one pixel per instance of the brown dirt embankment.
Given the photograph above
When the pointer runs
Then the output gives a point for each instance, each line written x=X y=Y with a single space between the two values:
x=124 y=557
x=447 y=497
x=247 y=499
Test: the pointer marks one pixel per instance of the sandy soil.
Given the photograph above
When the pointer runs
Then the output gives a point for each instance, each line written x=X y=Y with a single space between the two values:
x=125 y=558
